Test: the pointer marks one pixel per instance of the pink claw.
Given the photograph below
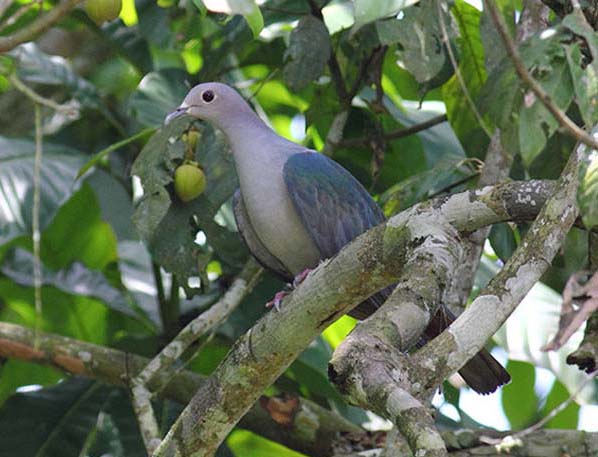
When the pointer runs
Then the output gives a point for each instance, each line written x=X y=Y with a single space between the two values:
x=301 y=277
x=277 y=300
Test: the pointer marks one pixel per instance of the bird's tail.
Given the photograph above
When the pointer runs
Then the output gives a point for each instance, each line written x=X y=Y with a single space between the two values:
x=483 y=373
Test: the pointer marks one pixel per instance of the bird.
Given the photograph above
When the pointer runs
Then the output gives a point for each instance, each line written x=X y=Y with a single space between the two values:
x=296 y=207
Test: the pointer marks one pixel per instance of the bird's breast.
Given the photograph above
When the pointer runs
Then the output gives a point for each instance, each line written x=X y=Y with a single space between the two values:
x=273 y=216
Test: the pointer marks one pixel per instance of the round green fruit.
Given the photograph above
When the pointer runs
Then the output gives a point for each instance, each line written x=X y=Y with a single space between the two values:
x=103 y=10
x=166 y=3
x=189 y=182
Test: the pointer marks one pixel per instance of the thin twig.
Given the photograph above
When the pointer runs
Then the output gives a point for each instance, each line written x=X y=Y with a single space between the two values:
x=18 y=13
x=557 y=409
x=395 y=134
x=41 y=24
x=564 y=121
x=37 y=98
x=201 y=325
x=37 y=268
x=459 y=76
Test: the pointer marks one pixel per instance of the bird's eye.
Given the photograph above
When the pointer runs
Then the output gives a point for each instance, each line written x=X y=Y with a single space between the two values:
x=207 y=96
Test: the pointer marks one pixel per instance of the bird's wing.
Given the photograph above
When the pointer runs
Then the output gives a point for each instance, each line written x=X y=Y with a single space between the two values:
x=333 y=206
x=254 y=244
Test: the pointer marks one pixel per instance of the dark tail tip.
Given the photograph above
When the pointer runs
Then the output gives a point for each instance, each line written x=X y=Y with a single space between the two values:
x=484 y=374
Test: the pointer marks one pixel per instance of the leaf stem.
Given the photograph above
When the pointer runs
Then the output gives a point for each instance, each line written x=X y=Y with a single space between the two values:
x=37 y=269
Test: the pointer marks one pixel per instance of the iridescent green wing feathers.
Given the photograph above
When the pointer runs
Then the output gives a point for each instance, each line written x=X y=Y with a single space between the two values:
x=333 y=206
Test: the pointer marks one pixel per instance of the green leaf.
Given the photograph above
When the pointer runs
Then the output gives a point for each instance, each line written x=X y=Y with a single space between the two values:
x=169 y=225
x=158 y=94
x=471 y=67
x=243 y=7
x=567 y=418
x=77 y=233
x=16 y=373
x=307 y=54
x=76 y=280
x=35 y=66
x=255 y=21
x=530 y=326
x=247 y=444
x=587 y=193
x=367 y=11
x=503 y=240
x=419 y=34
x=55 y=421
x=444 y=175
x=519 y=400
x=59 y=168
x=585 y=83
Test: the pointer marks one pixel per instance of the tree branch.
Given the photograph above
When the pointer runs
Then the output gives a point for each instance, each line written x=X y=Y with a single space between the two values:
x=214 y=316
x=41 y=24
x=564 y=121
x=394 y=134
x=312 y=430
x=455 y=346
x=369 y=263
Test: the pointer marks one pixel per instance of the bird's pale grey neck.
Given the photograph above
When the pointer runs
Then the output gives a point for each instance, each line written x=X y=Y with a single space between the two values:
x=251 y=139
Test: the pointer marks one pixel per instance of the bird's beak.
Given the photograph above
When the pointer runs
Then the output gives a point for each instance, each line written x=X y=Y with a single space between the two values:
x=176 y=113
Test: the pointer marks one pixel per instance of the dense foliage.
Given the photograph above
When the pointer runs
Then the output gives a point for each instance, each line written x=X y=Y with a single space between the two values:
x=126 y=264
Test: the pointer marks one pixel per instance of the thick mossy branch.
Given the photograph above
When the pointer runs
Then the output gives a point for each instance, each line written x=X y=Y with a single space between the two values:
x=312 y=437
x=369 y=263
x=455 y=346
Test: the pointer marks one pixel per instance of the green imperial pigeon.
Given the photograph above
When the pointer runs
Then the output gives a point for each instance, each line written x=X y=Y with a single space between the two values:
x=296 y=207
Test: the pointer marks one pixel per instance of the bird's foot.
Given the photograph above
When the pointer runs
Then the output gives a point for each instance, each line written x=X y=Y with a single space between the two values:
x=277 y=300
x=279 y=296
x=301 y=277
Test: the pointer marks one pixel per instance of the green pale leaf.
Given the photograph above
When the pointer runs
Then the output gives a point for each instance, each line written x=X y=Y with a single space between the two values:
x=77 y=233
x=62 y=313
x=169 y=225
x=587 y=193
x=585 y=83
x=76 y=280
x=158 y=94
x=566 y=419
x=130 y=44
x=443 y=175
x=529 y=328
x=503 y=240
x=307 y=54
x=16 y=373
x=55 y=421
x=247 y=444
x=367 y=11
x=471 y=67
x=35 y=66
x=59 y=168
x=519 y=400
x=243 y=7
x=255 y=21
x=419 y=34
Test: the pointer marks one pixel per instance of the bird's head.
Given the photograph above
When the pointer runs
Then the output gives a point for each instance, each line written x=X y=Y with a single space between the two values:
x=211 y=102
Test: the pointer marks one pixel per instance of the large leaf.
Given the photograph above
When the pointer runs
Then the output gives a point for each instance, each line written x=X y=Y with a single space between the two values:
x=77 y=233
x=59 y=168
x=587 y=193
x=472 y=71
x=519 y=400
x=308 y=52
x=35 y=66
x=158 y=94
x=56 y=421
x=530 y=327
x=367 y=11
x=16 y=373
x=419 y=34
x=169 y=225
x=76 y=280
